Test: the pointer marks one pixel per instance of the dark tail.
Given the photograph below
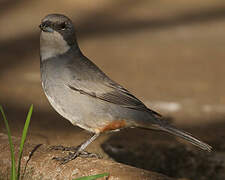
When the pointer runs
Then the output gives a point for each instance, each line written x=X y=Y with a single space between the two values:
x=182 y=134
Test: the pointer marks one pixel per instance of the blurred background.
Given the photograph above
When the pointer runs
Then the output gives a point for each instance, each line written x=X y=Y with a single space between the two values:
x=170 y=54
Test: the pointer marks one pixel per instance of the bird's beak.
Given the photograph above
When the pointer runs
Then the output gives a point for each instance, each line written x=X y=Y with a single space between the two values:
x=45 y=28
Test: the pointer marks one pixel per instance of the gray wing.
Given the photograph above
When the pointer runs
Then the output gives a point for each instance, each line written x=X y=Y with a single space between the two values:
x=91 y=81
x=110 y=92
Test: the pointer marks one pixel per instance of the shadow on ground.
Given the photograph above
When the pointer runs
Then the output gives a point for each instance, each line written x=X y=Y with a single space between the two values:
x=150 y=150
x=140 y=148
x=89 y=28
x=160 y=153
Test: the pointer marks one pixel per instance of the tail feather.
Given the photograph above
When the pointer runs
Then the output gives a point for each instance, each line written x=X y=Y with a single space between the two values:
x=182 y=134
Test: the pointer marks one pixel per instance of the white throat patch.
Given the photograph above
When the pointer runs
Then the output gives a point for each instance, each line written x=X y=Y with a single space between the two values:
x=52 y=44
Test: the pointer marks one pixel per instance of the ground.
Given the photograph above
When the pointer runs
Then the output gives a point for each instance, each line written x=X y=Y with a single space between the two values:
x=169 y=54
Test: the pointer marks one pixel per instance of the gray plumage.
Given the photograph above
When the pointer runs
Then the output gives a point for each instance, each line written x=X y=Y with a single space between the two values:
x=83 y=94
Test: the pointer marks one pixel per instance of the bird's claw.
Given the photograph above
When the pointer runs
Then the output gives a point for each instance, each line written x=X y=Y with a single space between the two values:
x=73 y=154
x=66 y=159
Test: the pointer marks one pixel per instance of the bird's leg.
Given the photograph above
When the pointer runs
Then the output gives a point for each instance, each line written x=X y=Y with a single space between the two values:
x=63 y=148
x=79 y=151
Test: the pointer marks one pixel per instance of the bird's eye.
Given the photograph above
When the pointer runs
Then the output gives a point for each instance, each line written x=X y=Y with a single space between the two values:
x=62 y=26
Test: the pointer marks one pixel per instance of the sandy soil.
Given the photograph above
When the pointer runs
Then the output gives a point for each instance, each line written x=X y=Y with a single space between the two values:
x=169 y=54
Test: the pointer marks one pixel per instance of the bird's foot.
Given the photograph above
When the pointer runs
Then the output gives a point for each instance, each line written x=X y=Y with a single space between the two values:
x=66 y=159
x=73 y=154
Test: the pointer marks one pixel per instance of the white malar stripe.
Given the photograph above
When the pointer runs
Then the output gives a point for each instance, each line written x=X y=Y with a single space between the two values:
x=52 y=44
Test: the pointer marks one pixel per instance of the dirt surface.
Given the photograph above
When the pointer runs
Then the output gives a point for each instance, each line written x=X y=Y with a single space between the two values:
x=165 y=156
x=39 y=165
x=169 y=54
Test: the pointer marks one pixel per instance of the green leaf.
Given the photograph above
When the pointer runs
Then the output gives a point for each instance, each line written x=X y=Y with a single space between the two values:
x=13 y=166
x=92 y=177
x=24 y=135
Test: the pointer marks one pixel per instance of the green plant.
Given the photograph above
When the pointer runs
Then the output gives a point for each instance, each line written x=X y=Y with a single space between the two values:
x=15 y=175
x=93 y=177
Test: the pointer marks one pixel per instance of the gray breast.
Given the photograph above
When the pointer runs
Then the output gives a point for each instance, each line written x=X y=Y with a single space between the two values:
x=79 y=109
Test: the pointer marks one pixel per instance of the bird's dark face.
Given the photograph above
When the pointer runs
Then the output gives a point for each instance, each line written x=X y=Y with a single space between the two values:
x=57 y=35
x=60 y=24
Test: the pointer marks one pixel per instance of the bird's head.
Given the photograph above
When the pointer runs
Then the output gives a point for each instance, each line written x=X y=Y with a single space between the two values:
x=57 y=35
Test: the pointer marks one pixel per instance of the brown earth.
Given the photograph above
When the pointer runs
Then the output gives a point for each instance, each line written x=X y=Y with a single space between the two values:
x=39 y=165
x=170 y=54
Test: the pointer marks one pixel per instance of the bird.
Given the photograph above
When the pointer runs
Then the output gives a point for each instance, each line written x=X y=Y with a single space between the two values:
x=83 y=94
